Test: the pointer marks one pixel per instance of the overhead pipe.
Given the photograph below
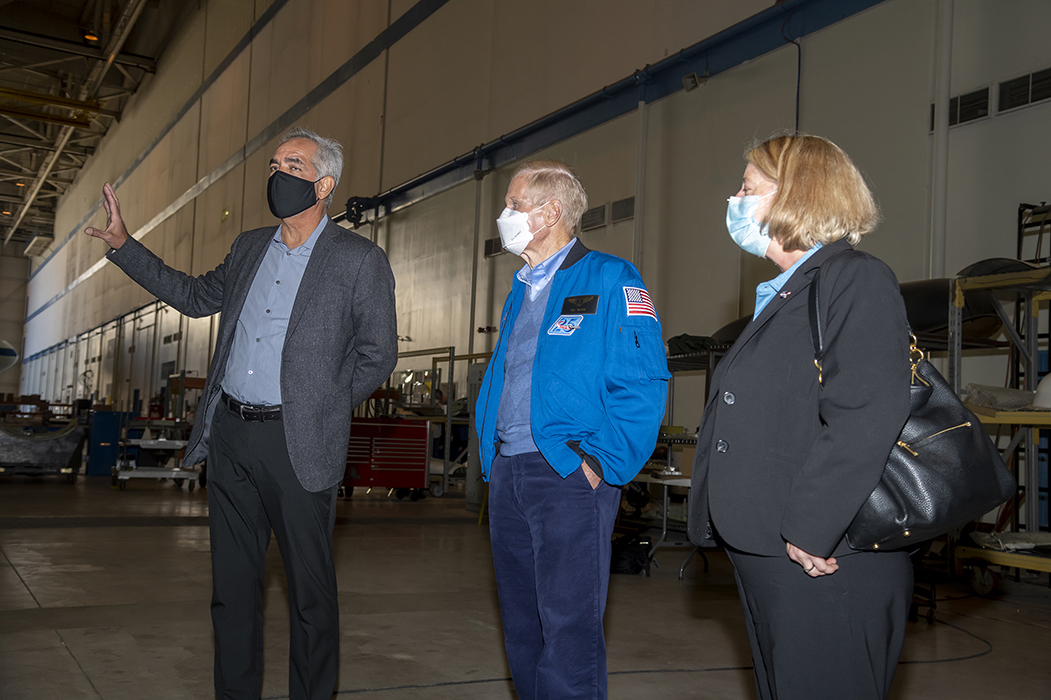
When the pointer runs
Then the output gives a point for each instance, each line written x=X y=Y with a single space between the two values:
x=640 y=173
x=940 y=169
x=479 y=175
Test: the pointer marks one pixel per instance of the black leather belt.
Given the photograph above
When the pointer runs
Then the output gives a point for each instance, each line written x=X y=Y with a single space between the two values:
x=251 y=412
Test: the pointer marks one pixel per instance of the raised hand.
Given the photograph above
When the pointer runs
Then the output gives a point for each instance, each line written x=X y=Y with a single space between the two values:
x=116 y=233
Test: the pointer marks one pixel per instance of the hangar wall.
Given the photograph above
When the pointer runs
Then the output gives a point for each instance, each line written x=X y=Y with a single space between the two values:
x=14 y=272
x=474 y=70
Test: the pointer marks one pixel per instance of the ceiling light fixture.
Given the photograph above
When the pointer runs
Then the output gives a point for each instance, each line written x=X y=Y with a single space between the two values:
x=20 y=184
x=90 y=35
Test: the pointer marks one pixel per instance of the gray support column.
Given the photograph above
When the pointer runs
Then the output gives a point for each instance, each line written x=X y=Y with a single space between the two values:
x=940 y=169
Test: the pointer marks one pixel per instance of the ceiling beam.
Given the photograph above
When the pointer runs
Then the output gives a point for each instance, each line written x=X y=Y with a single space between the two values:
x=12 y=140
x=42 y=99
x=125 y=59
x=128 y=16
x=17 y=165
x=78 y=122
x=41 y=64
x=21 y=125
x=14 y=175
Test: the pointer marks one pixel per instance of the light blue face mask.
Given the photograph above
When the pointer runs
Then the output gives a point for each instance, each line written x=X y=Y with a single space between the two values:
x=744 y=229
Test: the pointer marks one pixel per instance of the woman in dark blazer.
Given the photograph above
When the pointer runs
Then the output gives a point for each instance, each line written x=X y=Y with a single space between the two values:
x=784 y=463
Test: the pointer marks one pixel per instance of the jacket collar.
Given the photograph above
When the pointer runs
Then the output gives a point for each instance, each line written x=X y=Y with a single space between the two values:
x=797 y=283
x=578 y=251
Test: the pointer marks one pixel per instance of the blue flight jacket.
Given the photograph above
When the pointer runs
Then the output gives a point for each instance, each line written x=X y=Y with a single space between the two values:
x=600 y=374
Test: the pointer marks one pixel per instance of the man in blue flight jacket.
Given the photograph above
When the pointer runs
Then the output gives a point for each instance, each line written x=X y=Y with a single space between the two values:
x=568 y=412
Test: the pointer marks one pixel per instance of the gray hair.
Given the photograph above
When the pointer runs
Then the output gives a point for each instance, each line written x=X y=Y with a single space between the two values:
x=327 y=159
x=551 y=179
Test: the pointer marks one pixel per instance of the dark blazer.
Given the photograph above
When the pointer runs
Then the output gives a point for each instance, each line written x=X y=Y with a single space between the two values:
x=341 y=344
x=781 y=458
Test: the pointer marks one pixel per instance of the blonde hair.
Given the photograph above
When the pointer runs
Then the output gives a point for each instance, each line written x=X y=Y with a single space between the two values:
x=551 y=179
x=821 y=197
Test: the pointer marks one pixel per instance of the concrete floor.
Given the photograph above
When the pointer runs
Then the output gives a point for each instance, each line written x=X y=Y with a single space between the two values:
x=105 y=594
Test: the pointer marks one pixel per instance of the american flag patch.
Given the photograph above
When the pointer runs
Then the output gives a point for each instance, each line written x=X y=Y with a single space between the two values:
x=639 y=303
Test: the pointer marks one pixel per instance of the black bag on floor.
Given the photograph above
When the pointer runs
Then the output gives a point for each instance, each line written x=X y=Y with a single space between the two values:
x=631 y=555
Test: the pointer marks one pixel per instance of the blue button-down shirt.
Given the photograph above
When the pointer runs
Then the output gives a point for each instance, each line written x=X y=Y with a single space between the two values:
x=768 y=290
x=537 y=278
x=253 y=371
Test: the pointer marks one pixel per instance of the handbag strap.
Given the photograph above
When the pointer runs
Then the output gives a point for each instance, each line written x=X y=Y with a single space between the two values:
x=815 y=325
x=915 y=354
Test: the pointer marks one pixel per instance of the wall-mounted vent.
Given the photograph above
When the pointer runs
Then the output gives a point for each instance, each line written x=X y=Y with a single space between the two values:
x=593 y=218
x=1025 y=90
x=966 y=108
x=1014 y=93
x=1041 y=88
x=623 y=209
x=493 y=247
x=973 y=105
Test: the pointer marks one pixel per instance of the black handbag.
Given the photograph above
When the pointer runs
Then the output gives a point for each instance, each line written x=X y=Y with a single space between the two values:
x=943 y=471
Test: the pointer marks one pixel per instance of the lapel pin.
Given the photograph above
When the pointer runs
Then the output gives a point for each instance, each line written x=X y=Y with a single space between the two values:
x=784 y=295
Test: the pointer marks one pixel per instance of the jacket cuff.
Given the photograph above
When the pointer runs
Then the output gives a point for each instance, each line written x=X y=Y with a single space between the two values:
x=592 y=462
x=116 y=255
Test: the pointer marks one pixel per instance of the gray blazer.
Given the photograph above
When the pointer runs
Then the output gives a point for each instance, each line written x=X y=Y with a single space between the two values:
x=341 y=344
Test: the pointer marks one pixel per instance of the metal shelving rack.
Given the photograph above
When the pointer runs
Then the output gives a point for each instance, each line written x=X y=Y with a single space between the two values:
x=1030 y=288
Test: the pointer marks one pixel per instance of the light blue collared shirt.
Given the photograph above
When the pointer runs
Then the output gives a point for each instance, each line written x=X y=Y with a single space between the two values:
x=537 y=278
x=253 y=370
x=768 y=290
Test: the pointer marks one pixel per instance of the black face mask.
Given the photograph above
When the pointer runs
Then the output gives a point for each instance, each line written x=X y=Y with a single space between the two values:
x=289 y=195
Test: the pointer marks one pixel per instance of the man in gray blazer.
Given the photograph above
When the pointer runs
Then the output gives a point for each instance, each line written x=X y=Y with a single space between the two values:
x=307 y=333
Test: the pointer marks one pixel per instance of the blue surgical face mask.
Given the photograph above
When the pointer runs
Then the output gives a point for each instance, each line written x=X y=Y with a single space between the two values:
x=744 y=229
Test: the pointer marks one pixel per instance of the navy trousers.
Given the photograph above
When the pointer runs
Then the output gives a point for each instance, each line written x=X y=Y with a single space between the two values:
x=551 y=551
x=252 y=490
x=830 y=637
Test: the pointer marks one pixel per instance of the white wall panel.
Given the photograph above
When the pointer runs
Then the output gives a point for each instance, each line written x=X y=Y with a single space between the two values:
x=872 y=98
x=995 y=40
x=14 y=271
x=699 y=278
x=994 y=166
x=424 y=125
x=430 y=252
x=506 y=64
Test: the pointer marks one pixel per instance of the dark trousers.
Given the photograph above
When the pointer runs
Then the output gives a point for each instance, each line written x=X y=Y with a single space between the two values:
x=834 y=637
x=551 y=552
x=251 y=491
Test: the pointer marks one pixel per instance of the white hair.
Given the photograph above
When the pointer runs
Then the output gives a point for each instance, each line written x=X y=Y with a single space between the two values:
x=327 y=159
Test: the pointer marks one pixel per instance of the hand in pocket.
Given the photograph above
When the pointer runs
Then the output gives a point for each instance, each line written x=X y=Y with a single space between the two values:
x=593 y=478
